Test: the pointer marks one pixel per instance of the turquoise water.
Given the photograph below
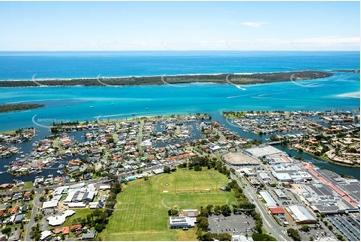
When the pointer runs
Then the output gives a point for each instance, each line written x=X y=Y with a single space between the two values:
x=74 y=103
x=340 y=91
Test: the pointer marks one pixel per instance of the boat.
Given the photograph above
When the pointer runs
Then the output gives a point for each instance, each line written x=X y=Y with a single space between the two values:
x=6 y=166
x=60 y=172
x=91 y=106
x=50 y=176
x=61 y=166
x=2 y=172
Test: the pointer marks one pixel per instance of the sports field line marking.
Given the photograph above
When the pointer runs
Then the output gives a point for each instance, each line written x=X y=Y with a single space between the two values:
x=164 y=204
x=140 y=232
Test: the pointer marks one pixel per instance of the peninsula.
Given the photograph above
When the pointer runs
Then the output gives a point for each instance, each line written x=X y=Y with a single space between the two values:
x=19 y=106
x=239 y=79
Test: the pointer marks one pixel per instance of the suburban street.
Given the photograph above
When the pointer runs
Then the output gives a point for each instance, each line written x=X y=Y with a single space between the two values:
x=271 y=226
x=268 y=222
x=36 y=206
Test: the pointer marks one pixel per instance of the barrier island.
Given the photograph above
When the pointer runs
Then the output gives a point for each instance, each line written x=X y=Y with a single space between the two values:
x=228 y=78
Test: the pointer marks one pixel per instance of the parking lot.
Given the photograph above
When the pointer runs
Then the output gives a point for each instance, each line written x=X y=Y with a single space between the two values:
x=233 y=225
x=284 y=220
x=316 y=233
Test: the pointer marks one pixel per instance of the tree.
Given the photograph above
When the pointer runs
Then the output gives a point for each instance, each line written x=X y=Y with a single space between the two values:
x=294 y=234
x=262 y=237
x=258 y=226
x=224 y=237
x=339 y=237
x=99 y=227
x=225 y=210
x=210 y=208
x=207 y=236
x=166 y=169
x=202 y=223
x=217 y=209
x=204 y=212
x=6 y=230
x=305 y=228
x=174 y=212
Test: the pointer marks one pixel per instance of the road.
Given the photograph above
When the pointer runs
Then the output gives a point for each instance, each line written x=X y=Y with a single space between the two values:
x=268 y=222
x=36 y=205
x=140 y=135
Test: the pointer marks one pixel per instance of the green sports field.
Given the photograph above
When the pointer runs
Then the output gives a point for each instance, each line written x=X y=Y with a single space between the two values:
x=142 y=209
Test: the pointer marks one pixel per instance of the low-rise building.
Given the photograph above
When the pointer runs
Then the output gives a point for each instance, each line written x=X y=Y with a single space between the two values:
x=270 y=202
x=300 y=215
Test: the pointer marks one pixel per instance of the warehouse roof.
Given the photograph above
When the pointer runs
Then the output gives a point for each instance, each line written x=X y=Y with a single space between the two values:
x=300 y=214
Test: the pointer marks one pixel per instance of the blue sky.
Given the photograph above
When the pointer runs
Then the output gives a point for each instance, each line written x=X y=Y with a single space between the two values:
x=46 y=26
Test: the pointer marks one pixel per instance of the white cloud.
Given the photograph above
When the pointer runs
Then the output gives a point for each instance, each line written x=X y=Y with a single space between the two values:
x=253 y=24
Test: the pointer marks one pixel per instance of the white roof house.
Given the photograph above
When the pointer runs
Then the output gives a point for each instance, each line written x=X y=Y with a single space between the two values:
x=70 y=196
x=56 y=198
x=45 y=234
x=282 y=177
x=76 y=205
x=104 y=187
x=93 y=205
x=264 y=176
x=181 y=222
x=271 y=203
x=280 y=194
x=158 y=171
x=50 y=204
x=300 y=214
x=59 y=219
x=78 y=185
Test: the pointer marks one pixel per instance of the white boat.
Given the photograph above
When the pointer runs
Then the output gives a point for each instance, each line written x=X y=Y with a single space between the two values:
x=2 y=172
x=60 y=172
x=61 y=166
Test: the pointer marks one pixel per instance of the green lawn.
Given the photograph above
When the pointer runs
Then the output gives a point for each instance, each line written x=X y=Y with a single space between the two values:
x=142 y=209
x=79 y=213
x=27 y=185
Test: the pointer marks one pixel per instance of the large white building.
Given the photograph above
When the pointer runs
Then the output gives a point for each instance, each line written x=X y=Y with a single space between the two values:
x=270 y=202
x=262 y=151
x=300 y=214
x=181 y=222
x=187 y=219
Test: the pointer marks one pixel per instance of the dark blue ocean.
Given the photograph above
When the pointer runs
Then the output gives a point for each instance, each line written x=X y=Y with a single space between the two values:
x=23 y=65
x=341 y=91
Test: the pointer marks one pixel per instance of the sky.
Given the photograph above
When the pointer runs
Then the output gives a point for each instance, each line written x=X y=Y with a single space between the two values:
x=108 y=26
